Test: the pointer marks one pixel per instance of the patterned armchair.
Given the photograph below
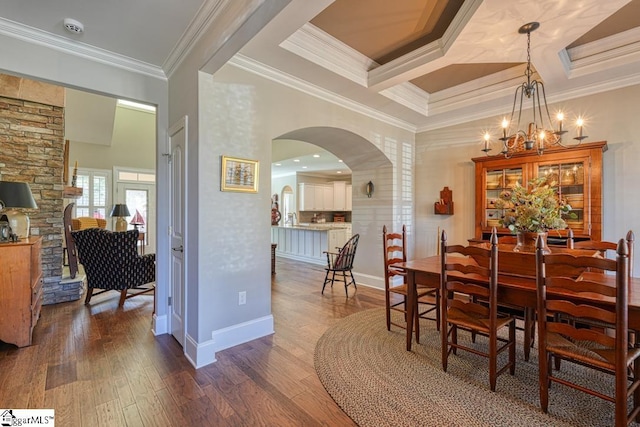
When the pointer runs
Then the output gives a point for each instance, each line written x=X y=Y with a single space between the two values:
x=112 y=263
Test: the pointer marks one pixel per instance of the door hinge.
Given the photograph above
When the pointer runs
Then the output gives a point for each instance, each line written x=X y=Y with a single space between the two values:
x=168 y=156
x=169 y=304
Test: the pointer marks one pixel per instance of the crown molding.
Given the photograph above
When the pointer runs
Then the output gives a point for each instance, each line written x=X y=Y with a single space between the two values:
x=409 y=95
x=313 y=44
x=613 y=51
x=317 y=46
x=262 y=70
x=459 y=22
x=61 y=44
x=206 y=15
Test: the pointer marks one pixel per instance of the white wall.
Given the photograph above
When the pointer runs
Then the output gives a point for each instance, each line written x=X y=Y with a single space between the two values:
x=612 y=117
x=240 y=114
x=133 y=143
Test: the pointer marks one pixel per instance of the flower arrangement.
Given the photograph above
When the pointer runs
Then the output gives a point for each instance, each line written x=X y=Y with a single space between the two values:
x=535 y=208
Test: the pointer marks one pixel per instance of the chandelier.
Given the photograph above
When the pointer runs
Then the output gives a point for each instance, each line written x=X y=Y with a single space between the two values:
x=539 y=133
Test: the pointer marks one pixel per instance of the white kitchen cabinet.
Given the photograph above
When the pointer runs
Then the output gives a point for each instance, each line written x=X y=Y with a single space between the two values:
x=310 y=197
x=315 y=197
x=327 y=198
x=347 y=197
x=339 y=195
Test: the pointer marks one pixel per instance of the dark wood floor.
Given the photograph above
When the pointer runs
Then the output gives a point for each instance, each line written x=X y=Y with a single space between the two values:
x=102 y=366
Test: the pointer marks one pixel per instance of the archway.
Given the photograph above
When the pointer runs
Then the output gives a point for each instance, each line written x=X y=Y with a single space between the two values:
x=367 y=163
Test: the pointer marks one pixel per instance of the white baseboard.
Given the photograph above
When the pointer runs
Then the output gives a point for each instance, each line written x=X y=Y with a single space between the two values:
x=243 y=332
x=199 y=354
x=369 y=281
x=204 y=353
x=312 y=260
x=160 y=325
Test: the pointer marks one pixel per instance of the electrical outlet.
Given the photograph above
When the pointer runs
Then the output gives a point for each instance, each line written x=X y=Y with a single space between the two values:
x=242 y=298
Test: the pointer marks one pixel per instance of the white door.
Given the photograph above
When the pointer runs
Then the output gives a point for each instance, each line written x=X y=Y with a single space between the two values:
x=140 y=199
x=177 y=201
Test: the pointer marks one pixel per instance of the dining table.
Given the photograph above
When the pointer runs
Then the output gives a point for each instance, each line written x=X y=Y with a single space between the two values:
x=516 y=282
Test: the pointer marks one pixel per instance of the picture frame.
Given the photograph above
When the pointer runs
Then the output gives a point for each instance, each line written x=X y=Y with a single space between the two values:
x=240 y=175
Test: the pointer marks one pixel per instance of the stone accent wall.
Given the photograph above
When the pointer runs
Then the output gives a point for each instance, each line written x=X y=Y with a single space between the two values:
x=32 y=150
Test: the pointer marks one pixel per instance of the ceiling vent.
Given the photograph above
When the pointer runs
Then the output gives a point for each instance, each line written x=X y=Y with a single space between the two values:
x=73 y=26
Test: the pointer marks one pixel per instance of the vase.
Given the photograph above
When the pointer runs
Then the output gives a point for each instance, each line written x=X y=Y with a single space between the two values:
x=526 y=242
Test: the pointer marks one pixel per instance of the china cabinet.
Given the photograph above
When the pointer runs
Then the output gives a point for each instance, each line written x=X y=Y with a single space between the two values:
x=575 y=173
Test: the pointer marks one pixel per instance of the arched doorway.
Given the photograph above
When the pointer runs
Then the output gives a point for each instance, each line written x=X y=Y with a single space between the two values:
x=367 y=163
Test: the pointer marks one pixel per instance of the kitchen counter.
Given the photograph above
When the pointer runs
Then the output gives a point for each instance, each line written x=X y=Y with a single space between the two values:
x=308 y=242
x=318 y=226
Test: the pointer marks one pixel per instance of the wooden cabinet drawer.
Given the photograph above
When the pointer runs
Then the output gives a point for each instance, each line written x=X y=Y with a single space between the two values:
x=21 y=288
x=37 y=292
x=36 y=307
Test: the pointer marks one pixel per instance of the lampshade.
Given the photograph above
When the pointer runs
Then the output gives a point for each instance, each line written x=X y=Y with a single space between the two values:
x=120 y=210
x=17 y=195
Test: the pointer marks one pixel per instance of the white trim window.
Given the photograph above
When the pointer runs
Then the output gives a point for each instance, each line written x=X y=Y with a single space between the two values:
x=96 y=191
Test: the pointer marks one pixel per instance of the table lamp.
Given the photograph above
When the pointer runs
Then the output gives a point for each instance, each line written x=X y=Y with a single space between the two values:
x=120 y=211
x=17 y=195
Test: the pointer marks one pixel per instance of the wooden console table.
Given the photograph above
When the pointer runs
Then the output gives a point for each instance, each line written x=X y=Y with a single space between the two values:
x=21 y=290
x=141 y=242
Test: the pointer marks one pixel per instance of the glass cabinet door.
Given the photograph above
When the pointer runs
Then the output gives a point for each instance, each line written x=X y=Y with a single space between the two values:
x=568 y=180
x=497 y=181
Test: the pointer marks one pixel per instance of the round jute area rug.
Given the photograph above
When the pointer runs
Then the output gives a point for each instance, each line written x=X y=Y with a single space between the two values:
x=371 y=376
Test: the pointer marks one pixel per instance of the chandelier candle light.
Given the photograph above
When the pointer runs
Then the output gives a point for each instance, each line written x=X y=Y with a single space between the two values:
x=540 y=130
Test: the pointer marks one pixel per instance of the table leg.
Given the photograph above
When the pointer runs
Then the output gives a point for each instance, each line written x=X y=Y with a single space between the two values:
x=411 y=302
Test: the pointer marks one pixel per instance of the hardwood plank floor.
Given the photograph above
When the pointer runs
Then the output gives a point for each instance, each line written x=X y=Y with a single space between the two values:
x=100 y=365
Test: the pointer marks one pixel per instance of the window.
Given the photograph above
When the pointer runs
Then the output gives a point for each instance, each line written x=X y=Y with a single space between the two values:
x=95 y=193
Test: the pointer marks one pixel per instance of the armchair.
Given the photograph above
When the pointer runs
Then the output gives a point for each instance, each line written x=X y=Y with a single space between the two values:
x=112 y=263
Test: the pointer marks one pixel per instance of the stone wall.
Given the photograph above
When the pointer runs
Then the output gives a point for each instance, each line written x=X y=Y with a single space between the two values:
x=32 y=150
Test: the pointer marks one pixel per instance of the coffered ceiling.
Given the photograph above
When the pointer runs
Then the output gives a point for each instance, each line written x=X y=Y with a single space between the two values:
x=418 y=64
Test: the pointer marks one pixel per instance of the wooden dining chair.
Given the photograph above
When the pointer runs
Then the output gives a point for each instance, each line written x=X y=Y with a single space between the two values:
x=395 y=285
x=461 y=285
x=526 y=315
x=605 y=248
x=606 y=350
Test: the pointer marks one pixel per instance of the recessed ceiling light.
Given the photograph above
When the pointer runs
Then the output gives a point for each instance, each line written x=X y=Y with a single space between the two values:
x=339 y=172
x=340 y=161
x=278 y=164
x=304 y=167
x=316 y=155
x=73 y=26
x=296 y=160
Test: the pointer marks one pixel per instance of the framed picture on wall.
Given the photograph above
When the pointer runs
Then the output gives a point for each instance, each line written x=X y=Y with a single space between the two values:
x=239 y=175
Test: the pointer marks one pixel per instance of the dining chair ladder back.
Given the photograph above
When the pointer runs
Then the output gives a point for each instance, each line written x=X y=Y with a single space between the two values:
x=603 y=349
x=605 y=248
x=396 y=288
x=527 y=315
x=469 y=300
